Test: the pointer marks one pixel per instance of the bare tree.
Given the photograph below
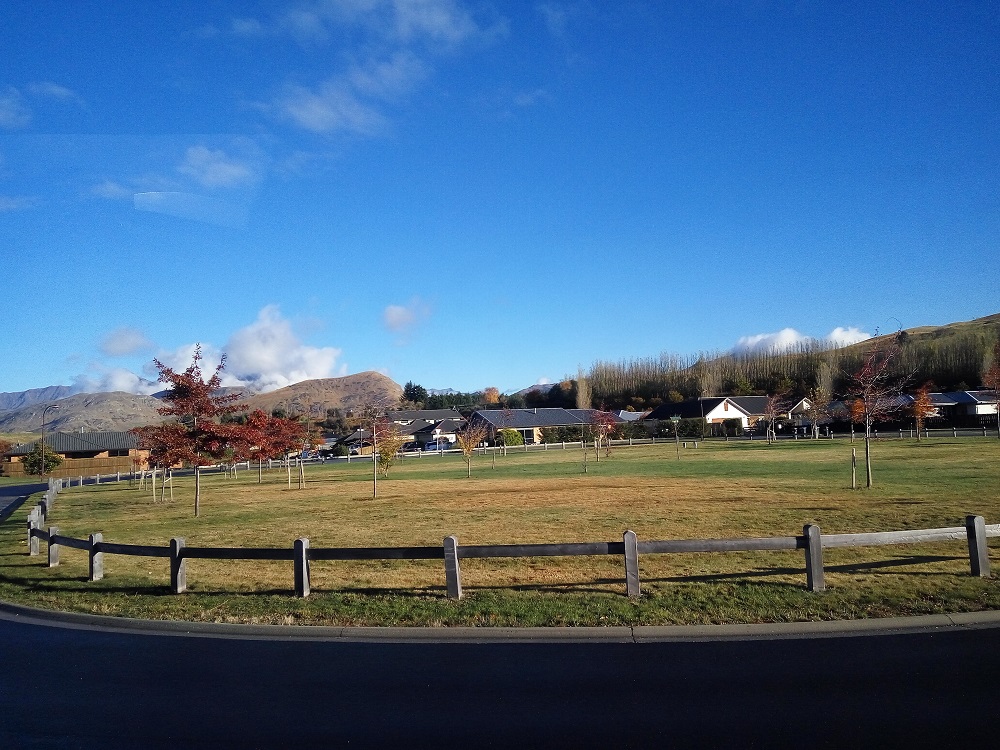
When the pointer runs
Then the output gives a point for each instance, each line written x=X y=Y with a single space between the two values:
x=991 y=379
x=372 y=412
x=874 y=390
x=777 y=406
x=469 y=438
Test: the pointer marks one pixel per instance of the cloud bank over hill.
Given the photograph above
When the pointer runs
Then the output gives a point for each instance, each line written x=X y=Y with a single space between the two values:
x=263 y=356
x=788 y=338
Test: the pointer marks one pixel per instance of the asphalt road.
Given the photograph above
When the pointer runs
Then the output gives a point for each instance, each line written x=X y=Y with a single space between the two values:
x=75 y=687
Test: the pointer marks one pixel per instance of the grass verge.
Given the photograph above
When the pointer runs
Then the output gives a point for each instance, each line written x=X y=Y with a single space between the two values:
x=719 y=490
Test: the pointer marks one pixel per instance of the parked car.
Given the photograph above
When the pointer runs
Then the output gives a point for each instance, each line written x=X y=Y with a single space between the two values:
x=440 y=445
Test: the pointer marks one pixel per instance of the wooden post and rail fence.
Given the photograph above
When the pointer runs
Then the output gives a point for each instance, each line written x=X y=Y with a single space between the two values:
x=812 y=542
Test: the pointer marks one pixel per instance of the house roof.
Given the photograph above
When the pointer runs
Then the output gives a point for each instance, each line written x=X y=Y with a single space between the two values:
x=526 y=419
x=587 y=415
x=692 y=408
x=972 y=397
x=629 y=416
x=446 y=426
x=81 y=442
x=426 y=415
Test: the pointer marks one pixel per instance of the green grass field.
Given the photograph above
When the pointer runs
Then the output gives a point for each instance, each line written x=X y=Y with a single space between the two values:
x=720 y=490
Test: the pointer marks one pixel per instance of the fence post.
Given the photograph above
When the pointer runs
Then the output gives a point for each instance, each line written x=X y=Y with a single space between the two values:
x=452 y=570
x=631 y=563
x=96 y=557
x=814 y=558
x=33 y=523
x=979 y=553
x=302 y=567
x=178 y=566
x=53 y=547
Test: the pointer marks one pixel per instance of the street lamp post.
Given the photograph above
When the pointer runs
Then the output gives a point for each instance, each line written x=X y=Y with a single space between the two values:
x=677 y=439
x=42 y=469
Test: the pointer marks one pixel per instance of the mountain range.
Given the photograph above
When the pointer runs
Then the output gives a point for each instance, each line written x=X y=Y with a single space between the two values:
x=123 y=411
x=22 y=412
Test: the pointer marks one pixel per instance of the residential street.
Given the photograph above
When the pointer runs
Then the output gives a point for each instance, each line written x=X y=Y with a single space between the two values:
x=74 y=687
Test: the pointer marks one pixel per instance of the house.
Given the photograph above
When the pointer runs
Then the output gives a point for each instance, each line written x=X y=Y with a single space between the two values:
x=531 y=422
x=757 y=407
x=425 y=425
x=714 y=410
x=960 y=406
x=82 y=452
x=972 y=403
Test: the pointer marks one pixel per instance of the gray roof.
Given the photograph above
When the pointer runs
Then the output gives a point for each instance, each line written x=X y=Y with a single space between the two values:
x=972 y=397
x=446 y=426
x=426 y=415
x=81 y=442
x=753 y=405
x=692 y=408
x=526 y=419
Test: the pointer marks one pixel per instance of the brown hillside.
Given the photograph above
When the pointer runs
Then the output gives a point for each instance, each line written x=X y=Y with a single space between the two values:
x=312 y=398
x=86 y=411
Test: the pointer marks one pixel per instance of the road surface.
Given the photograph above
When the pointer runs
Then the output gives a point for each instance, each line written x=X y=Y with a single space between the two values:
x=71 y=686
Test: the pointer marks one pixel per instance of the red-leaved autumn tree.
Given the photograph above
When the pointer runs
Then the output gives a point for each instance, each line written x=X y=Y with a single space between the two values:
x=195 y=437
x=262 y=437
x=603 y=425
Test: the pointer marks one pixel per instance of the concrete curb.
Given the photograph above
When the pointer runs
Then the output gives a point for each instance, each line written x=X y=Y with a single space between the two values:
x=623 y=634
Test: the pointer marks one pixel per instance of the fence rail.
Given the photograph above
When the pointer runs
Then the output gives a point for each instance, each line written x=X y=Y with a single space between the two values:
x=812 y=541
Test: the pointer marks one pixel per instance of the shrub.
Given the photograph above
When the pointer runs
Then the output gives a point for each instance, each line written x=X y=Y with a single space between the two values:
x=511 y=437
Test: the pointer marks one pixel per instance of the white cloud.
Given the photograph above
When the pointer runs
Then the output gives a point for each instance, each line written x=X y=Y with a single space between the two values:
x=767 y=342
x=402 y=319
x=247 y=27
x=392 y=44
x=788 y=338
x=268 y=355
x=433 y=20
x=13 y=111
x=441 y=22
x=213 y=168
x=846 y=336
x=191 y=206
x=55 y=91
x=387 y=79
x=11 y=203
x=529 y=98
x=556 y=18
x=104 y=380
x=111 y=189
x=332 y=106
x=263 y=356
x=543 y=381
x=123 y=341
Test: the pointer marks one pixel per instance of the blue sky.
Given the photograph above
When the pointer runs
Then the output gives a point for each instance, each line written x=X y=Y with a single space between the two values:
x=472 y=194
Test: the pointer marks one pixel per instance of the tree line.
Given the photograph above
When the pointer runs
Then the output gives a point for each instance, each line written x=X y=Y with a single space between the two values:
x=951 y=360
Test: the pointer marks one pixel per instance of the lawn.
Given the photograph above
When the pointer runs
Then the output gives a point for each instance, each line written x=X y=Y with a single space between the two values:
x=719 y=490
